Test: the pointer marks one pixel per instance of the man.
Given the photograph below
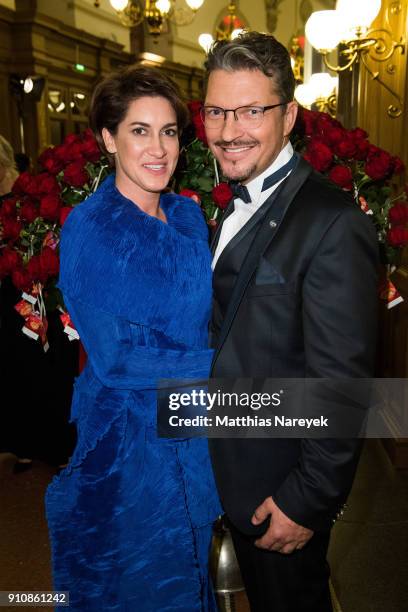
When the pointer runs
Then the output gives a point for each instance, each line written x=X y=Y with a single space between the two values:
x=295 y=286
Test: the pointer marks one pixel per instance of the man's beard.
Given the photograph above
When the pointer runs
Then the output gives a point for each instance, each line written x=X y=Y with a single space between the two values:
x=243 y=177
x=250 y=171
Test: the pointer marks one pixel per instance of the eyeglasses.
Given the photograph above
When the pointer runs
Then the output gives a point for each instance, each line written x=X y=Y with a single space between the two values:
x=247 y=116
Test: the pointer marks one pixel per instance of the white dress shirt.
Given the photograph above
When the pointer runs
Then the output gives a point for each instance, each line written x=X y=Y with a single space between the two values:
x=242 y=211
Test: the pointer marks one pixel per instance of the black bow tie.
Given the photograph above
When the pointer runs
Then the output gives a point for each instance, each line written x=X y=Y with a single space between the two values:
x=241 y=191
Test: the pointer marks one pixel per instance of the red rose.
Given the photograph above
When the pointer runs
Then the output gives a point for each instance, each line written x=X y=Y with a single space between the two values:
x=8 y=209
x=398 y=214
x=373 y=150
x=346 y=148
x=21 y=279
x=319 y=155
x=75 y=174
x=342 y=176
x=398 y=164
x=189 y=193
x=88 y=133
x=11 y=260
x=25 y=184
x=199 y=129
x=35 y=271
x=358 y=134
x=75 y=150
x=195 y=106
x=70 y=149
x=397 y=236
x=379 y=164
x=64 y=212
x=65 y=153
x=60 y=152
x=11 y=229
x=50 y=206
x=72 y=139
x=324 y=122
x=308 y=119
x=90 y=149
x=49 y=262
x=334 y=135
x=362 y=148
x=29 y=211
x=3 y=271
x=47 y=184
x=50 y=161
x=222 y=194
x=325 y=126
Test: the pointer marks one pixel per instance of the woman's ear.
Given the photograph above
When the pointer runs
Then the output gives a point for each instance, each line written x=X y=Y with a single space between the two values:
x=109 y=141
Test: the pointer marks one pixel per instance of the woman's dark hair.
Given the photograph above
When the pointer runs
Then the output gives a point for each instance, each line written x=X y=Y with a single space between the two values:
x=112 y=96
x=255 y=51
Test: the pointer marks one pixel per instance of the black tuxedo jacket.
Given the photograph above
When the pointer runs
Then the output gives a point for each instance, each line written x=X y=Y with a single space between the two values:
x=294 y=296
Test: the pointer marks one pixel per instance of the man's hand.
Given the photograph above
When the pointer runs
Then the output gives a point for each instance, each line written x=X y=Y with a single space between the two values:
x=283 y=535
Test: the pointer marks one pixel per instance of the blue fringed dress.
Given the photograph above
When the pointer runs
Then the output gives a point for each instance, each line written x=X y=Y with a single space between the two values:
x=130 y=517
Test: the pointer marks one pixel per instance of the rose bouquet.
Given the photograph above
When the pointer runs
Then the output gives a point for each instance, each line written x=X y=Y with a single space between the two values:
x=32 y=217
x=369 y=173
x=31 y=221
x=346 y=157
x=198 y=175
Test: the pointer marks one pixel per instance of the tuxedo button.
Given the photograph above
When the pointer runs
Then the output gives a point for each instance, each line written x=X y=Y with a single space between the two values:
x=272 y=223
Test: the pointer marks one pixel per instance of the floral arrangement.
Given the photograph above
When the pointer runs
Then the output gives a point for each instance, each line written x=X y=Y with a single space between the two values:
x=31 y=219
x=198 y=173
x=346 y=157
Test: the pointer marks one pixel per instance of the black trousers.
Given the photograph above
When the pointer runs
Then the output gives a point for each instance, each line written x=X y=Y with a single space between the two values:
x=275 y=582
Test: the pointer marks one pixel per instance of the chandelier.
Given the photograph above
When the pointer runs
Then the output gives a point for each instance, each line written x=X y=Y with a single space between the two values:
x=228 y=28
x=348 y=26
x=319 y=90
x=155 y=13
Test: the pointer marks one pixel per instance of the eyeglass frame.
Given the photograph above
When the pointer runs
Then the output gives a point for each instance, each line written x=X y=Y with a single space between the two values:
x=234 y=110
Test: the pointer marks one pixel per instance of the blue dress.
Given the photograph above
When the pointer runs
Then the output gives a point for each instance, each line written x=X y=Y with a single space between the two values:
x=130 y=517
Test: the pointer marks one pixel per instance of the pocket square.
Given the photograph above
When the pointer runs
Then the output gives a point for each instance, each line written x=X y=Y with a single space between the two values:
x=267 y=274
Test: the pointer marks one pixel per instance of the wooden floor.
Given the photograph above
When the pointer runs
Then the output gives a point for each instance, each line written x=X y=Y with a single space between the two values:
x=368 y=553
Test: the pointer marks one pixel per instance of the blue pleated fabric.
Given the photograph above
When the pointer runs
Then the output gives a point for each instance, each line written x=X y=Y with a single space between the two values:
x=130 y=517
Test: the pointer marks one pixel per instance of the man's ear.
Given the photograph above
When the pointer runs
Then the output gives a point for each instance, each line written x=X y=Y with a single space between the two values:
x=290 y=117
x=109 y=141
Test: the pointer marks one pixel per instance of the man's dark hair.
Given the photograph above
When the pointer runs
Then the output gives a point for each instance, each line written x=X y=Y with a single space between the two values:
x=112 y=97
x=255 y=51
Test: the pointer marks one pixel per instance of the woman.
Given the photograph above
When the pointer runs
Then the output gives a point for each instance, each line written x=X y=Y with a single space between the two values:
x=8 y=170
x=130 y=518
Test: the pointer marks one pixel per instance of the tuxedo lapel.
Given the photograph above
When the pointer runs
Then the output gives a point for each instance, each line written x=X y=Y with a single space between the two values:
x=269 y=227
x=245 y=229
x=214 y=243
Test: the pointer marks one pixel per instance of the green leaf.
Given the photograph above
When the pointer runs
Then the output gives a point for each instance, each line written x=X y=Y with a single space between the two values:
x=205 y=183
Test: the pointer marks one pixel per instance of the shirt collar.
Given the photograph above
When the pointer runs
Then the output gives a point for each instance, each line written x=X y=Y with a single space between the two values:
x=255 y=186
